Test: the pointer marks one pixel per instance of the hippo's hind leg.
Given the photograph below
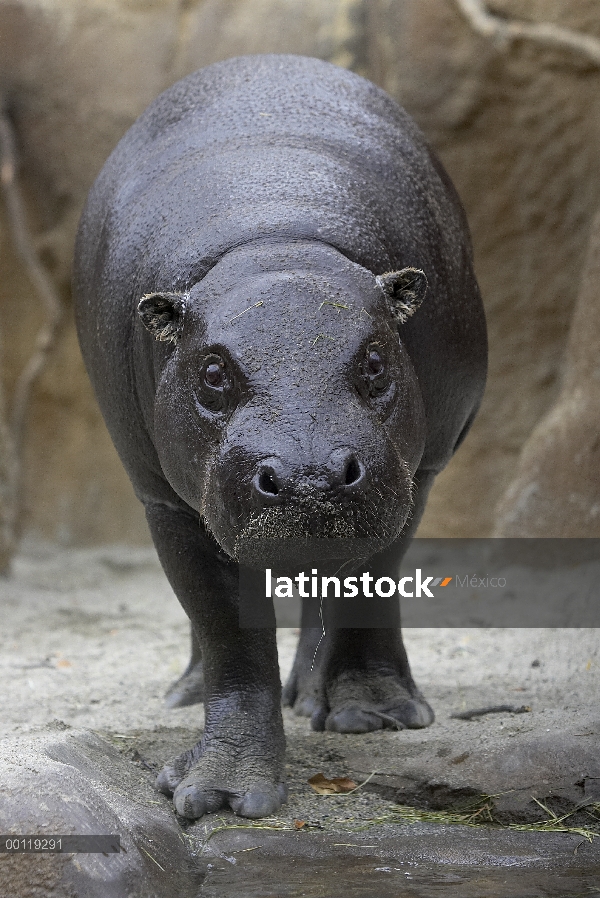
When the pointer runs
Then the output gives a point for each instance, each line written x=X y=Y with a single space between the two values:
x=359 y=679
x=240 y=759
x=189 y=688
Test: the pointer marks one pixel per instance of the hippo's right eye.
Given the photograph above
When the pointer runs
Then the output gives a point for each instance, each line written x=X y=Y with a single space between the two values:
x=213 y=375
x=215 y=382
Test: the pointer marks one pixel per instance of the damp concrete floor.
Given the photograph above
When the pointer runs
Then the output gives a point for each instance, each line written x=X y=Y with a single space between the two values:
x=89 y=643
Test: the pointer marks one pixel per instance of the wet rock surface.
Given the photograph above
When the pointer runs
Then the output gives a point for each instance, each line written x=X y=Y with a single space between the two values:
x=64 y=781
x=93 y=639
x=558 y=769
x=67 y=780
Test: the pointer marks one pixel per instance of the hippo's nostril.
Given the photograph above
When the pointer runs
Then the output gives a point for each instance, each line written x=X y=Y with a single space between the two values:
x=267 y=484
x=353 y=471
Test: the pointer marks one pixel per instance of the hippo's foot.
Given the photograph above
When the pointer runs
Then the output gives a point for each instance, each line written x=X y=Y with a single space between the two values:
x=357 y=701
x=188 y=689
x=243 y=771
x=358 y=681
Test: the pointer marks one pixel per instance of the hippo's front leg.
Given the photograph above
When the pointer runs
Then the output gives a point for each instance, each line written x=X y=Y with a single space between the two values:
x=239 y=760
x=358 y=680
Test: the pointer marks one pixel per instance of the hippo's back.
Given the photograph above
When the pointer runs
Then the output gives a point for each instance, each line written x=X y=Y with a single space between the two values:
x=265 y=146
x=287 y=148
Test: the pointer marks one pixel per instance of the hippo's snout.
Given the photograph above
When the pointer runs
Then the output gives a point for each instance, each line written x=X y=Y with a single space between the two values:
x=275 y=482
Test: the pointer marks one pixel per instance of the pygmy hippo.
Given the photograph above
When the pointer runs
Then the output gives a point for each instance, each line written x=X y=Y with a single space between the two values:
x=249 y=269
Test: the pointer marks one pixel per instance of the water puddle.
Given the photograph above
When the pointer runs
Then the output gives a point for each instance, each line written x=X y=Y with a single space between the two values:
x=253 y=876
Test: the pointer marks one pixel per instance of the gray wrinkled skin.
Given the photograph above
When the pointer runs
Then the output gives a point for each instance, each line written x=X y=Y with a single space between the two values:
x=248 y=270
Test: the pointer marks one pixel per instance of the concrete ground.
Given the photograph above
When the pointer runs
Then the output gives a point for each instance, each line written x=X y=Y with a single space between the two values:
x=90 y=641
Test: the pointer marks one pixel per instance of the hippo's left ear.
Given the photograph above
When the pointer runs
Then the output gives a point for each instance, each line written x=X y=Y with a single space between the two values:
x=405 y=291
x=162 y=315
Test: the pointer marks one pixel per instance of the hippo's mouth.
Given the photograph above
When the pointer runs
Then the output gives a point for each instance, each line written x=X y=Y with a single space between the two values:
x=301 y=533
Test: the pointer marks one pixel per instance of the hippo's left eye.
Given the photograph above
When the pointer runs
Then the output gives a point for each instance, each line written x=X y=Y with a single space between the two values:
x=374 y=362
x=374 y=371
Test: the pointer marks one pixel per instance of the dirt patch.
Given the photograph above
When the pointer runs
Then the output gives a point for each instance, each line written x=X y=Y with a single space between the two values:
x=94 y=638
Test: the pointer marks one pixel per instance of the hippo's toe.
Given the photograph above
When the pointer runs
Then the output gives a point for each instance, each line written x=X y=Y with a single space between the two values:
x=191 y=800
x=203 y=780
x=356 y=718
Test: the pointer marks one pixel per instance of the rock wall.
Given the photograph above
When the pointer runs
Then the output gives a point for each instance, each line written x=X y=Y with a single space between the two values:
x=517 y=127
x=556 y=490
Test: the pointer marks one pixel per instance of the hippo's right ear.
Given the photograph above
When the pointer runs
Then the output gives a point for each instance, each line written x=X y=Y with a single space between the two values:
x=404 y=290
x=162 y=315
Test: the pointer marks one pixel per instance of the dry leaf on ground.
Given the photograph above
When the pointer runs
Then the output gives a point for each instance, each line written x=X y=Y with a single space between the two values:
x=324 y=786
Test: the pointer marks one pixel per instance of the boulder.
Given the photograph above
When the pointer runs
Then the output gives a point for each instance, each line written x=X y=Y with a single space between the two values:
x=63 y=781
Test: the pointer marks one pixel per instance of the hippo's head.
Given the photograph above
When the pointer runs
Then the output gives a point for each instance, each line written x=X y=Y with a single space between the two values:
x=287 y=405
